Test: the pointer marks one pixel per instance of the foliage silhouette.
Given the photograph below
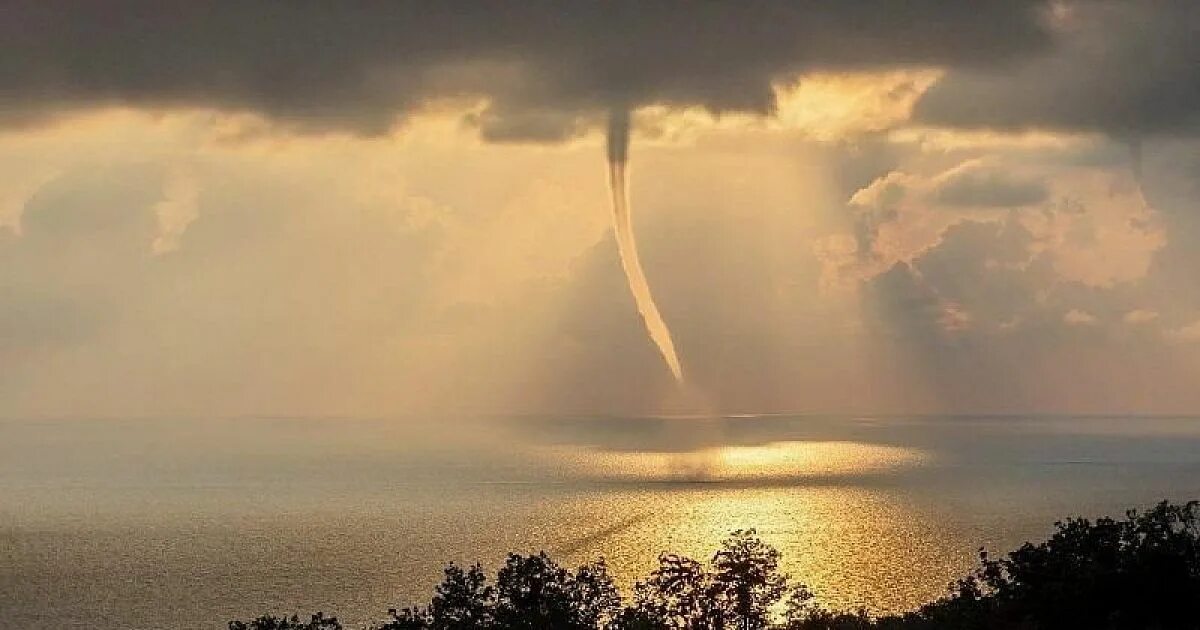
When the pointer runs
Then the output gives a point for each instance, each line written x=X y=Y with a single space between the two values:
x=463 y=600
x=318 y=622
x=1140 y=572
x=747 y=580
x=534 y=592
x=678 y=594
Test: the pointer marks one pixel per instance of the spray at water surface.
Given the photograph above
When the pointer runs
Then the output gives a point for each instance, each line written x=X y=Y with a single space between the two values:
x=618 y=158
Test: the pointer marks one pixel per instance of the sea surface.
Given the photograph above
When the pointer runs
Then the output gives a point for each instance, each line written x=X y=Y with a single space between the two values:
x=187 y=523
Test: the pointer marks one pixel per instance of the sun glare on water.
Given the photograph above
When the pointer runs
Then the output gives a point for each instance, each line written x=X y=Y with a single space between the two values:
x=775 y=461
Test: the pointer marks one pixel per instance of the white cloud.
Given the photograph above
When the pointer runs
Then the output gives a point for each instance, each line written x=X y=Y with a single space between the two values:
x=21 y=183
x=1076 y=317
x=984 y=184
x=1140 y=316
x=343 y=275
x=1186 y=334
x=176 y=211
x=1089 y=220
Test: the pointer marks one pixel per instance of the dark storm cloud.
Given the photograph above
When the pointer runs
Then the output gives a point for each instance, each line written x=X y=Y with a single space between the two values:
x=1128 y=68
x=547 y=67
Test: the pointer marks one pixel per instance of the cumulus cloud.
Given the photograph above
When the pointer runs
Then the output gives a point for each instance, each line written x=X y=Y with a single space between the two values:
x=170 y=274
x=978 y=185
x=1186 y=334
x=1089 y=222
x=1076 y=317
x=544 y=67
x=18 y=191
x=1140 y=316
x=177 y=210
x=965 y=295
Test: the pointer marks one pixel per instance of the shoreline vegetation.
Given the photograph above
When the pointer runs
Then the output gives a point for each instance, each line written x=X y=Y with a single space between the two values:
x=1138 y=572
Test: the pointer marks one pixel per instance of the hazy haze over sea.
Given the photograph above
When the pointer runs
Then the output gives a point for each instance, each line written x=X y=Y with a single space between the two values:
x=188 y=523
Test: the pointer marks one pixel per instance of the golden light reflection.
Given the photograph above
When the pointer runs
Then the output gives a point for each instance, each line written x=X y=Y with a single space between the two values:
x=776 y=460
x=882 y=557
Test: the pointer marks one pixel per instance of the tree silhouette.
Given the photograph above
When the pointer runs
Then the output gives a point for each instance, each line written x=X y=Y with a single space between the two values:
x=318 y=622
x=407 y=619
x=803 y=613
x=677 y=594
x=535 y=592
x=597 y=600
x=1104 y=574
x=746 y=579
x=463 y=601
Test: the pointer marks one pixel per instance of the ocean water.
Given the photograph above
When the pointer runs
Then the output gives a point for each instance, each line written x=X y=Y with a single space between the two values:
x=187 y=523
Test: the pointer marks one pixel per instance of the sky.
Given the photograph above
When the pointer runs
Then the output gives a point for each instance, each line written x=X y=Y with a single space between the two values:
x=238 y=209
